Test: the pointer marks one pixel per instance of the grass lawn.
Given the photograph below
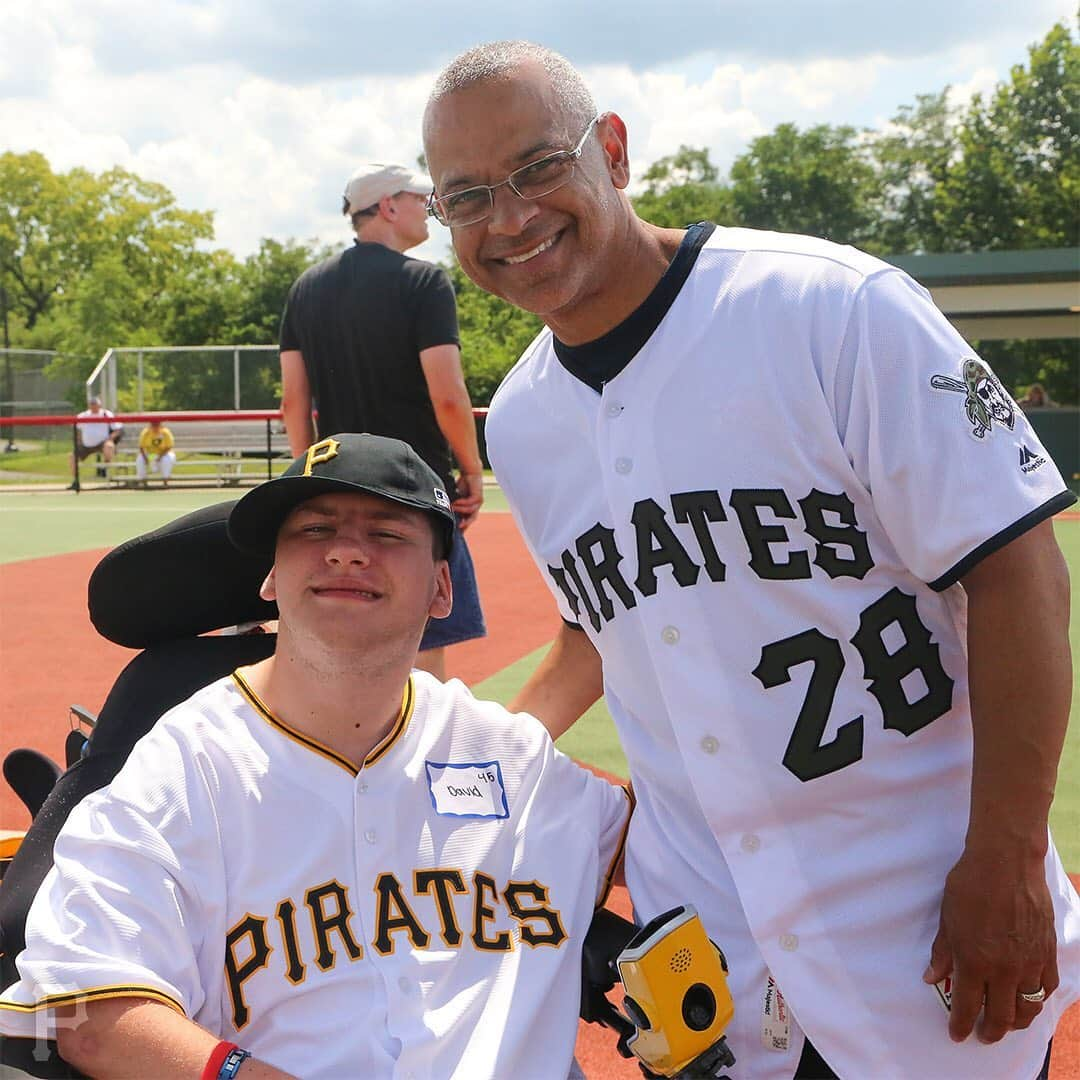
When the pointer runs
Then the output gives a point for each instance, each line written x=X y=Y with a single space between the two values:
x=41 y=460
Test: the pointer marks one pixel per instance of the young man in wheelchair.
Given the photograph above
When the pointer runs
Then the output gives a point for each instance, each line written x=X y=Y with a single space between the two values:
x=327 y=864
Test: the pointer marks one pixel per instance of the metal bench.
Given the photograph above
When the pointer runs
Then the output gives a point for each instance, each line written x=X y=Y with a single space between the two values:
x=222 y=467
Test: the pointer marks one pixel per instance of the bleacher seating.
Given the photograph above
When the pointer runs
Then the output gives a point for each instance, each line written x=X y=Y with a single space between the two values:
x=207 y=452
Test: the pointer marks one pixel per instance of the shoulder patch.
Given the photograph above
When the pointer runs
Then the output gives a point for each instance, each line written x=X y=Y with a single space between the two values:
x=985 y=399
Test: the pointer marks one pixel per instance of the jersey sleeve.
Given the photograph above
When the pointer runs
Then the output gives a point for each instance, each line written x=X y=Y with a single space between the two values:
x=604 y=805
x=954 y=468
x=289 y=335
x=122 y=911
x=435 y=310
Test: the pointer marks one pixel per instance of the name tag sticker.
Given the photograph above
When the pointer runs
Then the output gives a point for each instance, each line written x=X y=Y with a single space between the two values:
x=775 y=1019
x=468 y=790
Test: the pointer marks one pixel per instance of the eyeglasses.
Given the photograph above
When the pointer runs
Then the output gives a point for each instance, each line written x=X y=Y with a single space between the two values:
x=532 y=181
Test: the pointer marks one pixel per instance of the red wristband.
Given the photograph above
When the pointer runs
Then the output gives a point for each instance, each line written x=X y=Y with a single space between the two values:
x=217 y=1059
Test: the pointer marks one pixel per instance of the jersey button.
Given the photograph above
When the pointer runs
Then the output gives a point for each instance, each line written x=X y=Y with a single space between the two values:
x=709 y=744
x=623 y=465
x=370 y=836
x=361 y=787
x=750 y=842
x=670 y=635
x=614 y=409
x=789 y=942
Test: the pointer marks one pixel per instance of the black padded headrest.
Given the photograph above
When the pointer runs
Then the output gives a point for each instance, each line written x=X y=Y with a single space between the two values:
x=178 y=581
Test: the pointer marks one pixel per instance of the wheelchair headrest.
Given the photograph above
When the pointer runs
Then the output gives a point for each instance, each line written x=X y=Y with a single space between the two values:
x=178 y=581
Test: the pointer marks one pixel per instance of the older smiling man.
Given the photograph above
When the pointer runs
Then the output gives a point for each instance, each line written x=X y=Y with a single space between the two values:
x=826 y=607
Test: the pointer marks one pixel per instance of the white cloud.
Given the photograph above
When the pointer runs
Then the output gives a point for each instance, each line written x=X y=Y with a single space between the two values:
x=982 y=81
x=268 y=143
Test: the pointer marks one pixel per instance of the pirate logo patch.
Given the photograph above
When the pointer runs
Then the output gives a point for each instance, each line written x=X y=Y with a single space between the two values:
x=985 y=399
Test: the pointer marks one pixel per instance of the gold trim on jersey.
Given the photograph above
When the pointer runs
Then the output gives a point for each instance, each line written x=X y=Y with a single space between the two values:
x=96 y=993
x=408 y=700
x=620 y=847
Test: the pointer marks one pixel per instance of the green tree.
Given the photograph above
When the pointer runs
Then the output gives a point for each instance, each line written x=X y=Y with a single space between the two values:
x=203 y=301
x=821 y=181
x=683 y=188
x=264 y=280
x=86 y=261
x=1016 y=183
x=55 y=228
x=219 y=300
x=37 y=208
x=913 y=157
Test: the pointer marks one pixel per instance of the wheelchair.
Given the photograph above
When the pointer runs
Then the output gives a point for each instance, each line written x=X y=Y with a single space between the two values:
x=188 y=581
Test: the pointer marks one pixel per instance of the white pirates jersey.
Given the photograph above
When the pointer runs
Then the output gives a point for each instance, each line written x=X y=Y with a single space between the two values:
x=421 y=917
x=756 y=496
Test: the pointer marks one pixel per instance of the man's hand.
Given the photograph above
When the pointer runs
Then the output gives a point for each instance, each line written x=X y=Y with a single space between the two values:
x=470 y=497
x=441 y=365
x=996 y=939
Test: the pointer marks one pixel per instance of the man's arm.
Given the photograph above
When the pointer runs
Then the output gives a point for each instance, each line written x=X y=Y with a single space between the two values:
x=453 y=413
x=125 y=1037
x=997 y=922
x=296 y=402
x=568 y=680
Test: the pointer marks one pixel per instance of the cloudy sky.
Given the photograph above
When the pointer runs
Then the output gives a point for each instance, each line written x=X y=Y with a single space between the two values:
x=260 y=109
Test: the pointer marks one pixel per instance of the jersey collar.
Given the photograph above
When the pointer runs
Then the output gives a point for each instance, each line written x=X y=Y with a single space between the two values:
x=408 y=700
x=599 y=361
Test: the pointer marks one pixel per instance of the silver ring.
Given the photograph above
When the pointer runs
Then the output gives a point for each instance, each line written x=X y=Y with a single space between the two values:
x=1035 y=998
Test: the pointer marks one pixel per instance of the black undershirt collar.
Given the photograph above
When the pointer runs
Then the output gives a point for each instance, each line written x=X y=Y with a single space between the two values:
x=597 y=362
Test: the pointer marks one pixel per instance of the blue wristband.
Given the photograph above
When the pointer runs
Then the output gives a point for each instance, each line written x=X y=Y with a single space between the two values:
x=231 y=1065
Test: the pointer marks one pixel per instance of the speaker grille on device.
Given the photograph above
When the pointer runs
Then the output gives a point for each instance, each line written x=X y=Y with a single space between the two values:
x=681 y=960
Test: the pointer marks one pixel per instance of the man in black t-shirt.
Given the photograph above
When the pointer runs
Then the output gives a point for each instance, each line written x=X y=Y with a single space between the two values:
x=369 y=342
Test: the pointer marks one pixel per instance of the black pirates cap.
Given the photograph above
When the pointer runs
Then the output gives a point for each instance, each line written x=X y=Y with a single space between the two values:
x=350 y=464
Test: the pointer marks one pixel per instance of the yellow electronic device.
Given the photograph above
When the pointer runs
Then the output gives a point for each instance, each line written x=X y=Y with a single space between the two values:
x=677 y=996
x=9 y=844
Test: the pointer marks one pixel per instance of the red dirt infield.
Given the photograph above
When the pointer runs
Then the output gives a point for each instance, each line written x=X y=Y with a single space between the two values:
x=52 y=657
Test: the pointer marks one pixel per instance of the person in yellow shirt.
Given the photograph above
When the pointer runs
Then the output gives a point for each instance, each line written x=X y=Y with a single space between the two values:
x=155 y=451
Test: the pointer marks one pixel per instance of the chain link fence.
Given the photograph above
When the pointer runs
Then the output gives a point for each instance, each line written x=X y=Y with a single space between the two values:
x=27 y=389
x=163 y=378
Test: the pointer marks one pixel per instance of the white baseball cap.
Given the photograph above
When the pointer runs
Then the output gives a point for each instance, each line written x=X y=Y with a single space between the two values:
x=371 y=182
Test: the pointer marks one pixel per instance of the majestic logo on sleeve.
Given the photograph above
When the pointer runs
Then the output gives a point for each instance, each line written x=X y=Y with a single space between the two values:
x=985 y=399
x=1030 y=460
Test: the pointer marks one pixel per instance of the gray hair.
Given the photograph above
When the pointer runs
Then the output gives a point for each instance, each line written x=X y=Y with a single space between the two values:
x=497 y=59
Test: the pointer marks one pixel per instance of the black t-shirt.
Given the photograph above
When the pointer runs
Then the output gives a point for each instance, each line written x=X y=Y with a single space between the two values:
x=361 y=319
